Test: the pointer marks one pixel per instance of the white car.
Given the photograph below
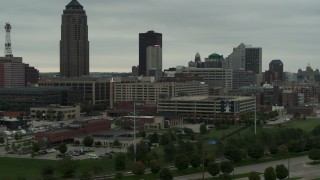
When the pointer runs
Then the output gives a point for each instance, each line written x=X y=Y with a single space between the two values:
x=93 y=156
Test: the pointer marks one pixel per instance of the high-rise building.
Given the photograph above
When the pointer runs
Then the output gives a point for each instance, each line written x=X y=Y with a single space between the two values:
x=253 y=61
x=74 y=44
x=275 y=73
x=147 y=39
x=236 y=60
x=154 y=61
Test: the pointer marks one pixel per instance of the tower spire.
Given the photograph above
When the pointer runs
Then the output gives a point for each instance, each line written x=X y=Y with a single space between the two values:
x=8 y=48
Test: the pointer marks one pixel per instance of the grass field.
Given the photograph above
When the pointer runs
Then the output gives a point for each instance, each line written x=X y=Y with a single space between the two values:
x=12 y=168
x=306 y=125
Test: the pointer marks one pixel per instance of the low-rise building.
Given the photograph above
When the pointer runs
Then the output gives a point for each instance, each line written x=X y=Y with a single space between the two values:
x=55 y=111
x=207 y=108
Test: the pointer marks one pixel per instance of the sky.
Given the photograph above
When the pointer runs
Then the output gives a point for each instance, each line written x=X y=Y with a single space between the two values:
x=286 y=30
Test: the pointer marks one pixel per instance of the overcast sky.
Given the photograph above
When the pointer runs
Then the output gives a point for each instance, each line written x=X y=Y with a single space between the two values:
x=288 y=30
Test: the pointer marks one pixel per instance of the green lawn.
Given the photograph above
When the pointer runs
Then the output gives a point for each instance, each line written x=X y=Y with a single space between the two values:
x=31 y=168
x=306 y=125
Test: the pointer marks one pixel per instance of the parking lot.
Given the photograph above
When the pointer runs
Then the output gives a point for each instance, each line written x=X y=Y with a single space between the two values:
x=53 y=155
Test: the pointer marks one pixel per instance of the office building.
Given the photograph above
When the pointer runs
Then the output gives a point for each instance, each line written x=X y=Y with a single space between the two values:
x=275 y=75
x=215 y=77
x=151 y=92
x=74 y=44
x=236 y=60
x=147 y=39
x=93 y=90
x=253 y=60
x=154 y=61
x=242 y=78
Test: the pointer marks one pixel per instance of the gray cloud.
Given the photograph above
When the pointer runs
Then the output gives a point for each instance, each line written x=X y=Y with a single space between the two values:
x=286 y=29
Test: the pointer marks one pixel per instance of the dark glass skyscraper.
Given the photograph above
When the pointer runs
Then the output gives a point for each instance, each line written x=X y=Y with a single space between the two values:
x=147 y=39
x=74 y=44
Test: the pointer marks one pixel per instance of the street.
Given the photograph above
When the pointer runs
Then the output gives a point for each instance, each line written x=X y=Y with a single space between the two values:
x=298 y=169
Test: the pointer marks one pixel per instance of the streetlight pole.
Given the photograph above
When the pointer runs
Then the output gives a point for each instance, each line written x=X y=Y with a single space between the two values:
x=134 y=131
x=255 y=114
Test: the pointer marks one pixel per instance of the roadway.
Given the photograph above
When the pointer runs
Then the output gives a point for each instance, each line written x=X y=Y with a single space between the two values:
x=298 y=168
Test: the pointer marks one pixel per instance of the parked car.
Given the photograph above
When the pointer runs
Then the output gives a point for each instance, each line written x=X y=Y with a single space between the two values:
x=93 y=156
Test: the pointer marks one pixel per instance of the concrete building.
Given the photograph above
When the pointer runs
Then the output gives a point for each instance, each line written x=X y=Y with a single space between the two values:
x=151 y=92
x=74 y=130
x=52 y=111
x=74 y=44
x=154 y=61
x=217 y=77
x=94 y=90
x=147 y=39
x=207 y=108
x=243 y=78
x=289 y=98
x=236 y=60
x=23 y=98
x=13 y=75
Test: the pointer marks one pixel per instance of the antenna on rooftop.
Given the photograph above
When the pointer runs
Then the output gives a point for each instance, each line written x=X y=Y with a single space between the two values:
x=8 y=48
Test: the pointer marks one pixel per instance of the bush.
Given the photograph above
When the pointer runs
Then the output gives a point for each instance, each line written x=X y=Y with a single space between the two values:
x=282 y=150
x=87 y=141
x=214 y=169
x=226 y=167
x=47 y=172
x=138 y=168
x=195 y=160
x=254 y=176
x=225 y=177
x=269 y=174
x=181 y=162
x=208 y=160
x=154 y=166
x=120 y=162
x=255 y=151
x=203 y=129
x=67 y=167
x=314 y=154
x=281 y=171
x=165 y=174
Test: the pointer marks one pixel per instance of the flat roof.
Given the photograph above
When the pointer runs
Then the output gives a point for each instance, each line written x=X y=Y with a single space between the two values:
x=208 y=98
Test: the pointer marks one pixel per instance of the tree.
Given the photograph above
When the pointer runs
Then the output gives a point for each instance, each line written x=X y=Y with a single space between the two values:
x=154 y=138
x=282 y=149
x=120 y=162
x=1 y=140
x=169 y=152
x=138 y=168
x=316 y=131
x=165 y=139
x=226 y=167
x=233 y=153
x=181 y=162
x=142 y=150
x=87 y=141
x=208 y=160
x=67 y=167
x=254 y=176
x=60 y=116
x=213 y=169
x=35 y=147
x=269 y=174
x=203 y=129
x=62 y=148
x=154 y=166
x=47 y=172
x=195 y=160
x=116 y=143
x=255 y=151
x=314 y=154
x=165 y=174
x=281 y=171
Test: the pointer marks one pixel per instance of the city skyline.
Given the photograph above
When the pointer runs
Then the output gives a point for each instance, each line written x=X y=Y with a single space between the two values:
x=288 y=32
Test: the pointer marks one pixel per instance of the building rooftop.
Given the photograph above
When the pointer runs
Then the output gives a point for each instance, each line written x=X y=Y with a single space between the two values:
x=74 y=4
x=208 y=98
x=31 y=90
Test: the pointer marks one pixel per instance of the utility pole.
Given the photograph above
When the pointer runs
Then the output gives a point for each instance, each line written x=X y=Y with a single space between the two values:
x=255 y=114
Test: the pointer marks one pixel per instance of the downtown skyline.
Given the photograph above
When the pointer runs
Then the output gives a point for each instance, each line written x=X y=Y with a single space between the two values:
x=285 y=30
